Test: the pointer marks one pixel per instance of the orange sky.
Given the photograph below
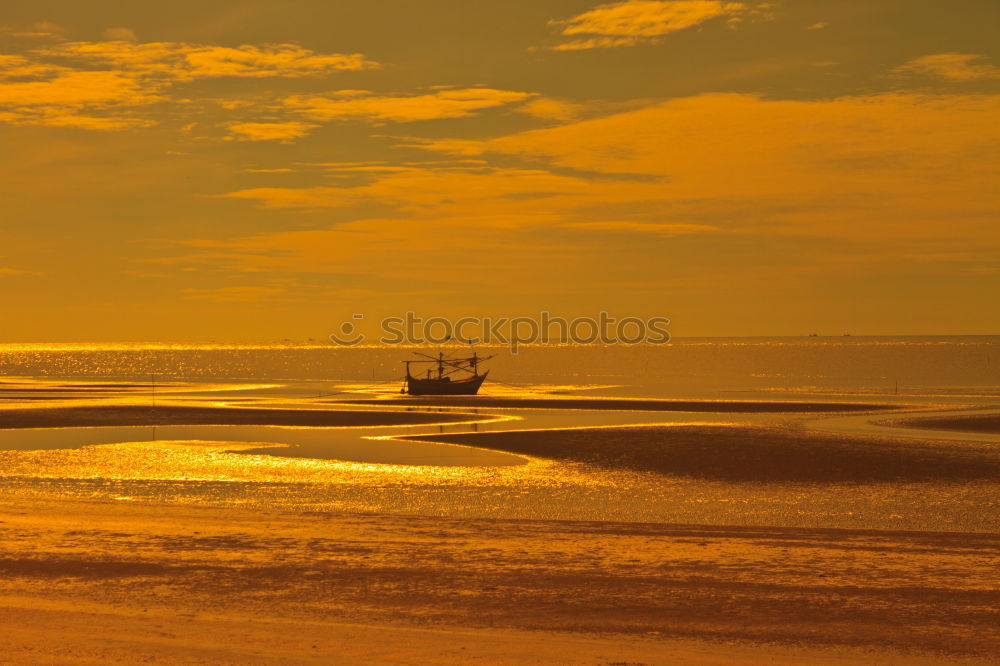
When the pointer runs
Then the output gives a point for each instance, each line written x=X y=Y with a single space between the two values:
x=253 y=171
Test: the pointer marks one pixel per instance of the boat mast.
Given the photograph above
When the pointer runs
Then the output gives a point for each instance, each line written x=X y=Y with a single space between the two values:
x=440 y=365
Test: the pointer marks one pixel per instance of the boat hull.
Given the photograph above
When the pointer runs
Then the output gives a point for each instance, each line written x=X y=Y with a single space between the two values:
x=470 y=386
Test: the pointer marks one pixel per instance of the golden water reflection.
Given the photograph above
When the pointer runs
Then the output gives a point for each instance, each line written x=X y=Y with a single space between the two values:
x=256 y=466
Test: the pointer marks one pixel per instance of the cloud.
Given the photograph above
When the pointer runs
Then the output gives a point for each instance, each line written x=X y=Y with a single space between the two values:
x=72 y=89
x=17 y=271
x=185 y=62
x=951 y=66
x=884 y=166
x=711 y=188
x=547 y=108
x=105 y=85
x=467 y=192
x=352 y=104
x=644 y=21
x=20 y=68
x=660 y=229
x=234 y=294
x=102 y=85
x=120 y=35
x=391 y=248
x=39 y=30
x=54 y=117
x=76 y=99
x=182 y=61
x=599 y=43
x=818 y=26
x=269 y=131
x=865 y=165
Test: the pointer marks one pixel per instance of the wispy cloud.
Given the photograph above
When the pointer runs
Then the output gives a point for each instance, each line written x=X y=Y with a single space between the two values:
x=101 y=100
x=16 y=67
x=269 y=131
x=740 y=162
x=185 y=62
x=444 y=191
x=249 y=294
x=728 y=178
x=105 y=85
x=951 y=66
x=547 y=108
x=352 y=104
x=657 y=228
x=770 y=165
x=120 y=35
x=39 y=30
x=74 y=89
x=644 y=21
x=17 y=271
x=111 y=85
x=389 y=248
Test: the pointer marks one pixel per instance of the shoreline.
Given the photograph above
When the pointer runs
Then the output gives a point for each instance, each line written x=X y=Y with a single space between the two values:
x=985 y=424
x=167 y=414
x=737 y=453
x=631 y=404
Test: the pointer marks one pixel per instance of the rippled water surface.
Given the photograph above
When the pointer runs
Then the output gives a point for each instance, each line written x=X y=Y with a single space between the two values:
x=367 y=469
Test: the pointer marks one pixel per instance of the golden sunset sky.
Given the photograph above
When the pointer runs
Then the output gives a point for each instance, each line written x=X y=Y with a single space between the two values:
x=259 y=170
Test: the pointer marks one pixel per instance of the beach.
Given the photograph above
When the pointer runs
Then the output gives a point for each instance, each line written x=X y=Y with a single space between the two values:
x=228 y=522
x=184 y=584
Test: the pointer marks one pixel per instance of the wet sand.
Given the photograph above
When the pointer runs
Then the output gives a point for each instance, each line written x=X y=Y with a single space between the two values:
x=163 y=415
x=621 y=404
x=93 y=582
x=989 y=424
x=746 y=453
x=89 y=582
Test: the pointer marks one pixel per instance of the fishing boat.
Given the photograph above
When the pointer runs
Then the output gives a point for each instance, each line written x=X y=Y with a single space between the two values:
x=446 y=376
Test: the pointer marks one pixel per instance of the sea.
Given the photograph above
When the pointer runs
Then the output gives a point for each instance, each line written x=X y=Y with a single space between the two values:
x=367 y=470
x=684 y=368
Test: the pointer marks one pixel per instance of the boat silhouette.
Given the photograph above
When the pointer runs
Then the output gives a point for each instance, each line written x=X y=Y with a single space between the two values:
x=446 y=376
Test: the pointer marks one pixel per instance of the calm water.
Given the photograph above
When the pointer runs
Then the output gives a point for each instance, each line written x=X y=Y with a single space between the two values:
x=685 y=368
x=366 y=470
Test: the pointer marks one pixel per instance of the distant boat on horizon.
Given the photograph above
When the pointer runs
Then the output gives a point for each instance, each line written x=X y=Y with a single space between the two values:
x=451 y=376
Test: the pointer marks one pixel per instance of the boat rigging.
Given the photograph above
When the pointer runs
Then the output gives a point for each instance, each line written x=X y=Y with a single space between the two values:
x=446 y=375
